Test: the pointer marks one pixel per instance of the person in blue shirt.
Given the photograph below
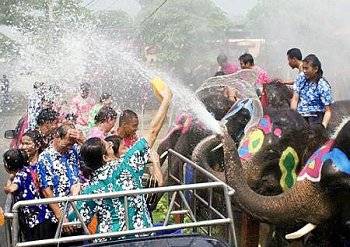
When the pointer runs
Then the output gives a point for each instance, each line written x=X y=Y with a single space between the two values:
x=58 y=167
x=36 y=221
x=312 y=96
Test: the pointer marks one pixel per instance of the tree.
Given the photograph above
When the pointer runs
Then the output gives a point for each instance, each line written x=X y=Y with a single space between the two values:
x=30 y=15
x=183 y=31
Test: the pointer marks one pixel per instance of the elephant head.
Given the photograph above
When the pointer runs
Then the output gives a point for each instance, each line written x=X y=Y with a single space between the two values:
x=271 y=151
x=321 y=188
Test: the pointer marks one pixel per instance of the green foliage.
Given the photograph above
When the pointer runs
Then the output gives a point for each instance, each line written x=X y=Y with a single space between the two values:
x=30 y=15
x=7 y=47
x=114 y=18
x=183 y=30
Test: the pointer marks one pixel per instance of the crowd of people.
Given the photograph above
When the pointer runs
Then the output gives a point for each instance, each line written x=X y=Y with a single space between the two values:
x=82 y=150
x=79 y=148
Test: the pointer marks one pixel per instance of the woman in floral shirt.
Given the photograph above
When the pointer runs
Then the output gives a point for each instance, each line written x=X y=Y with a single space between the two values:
x=312 y=96
x=37 y=221
x=122 y=175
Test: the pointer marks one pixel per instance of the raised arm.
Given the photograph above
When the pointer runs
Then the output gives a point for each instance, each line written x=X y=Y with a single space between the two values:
x=158 y=120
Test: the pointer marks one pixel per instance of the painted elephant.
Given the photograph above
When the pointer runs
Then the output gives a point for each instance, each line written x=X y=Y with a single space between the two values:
x=321 y=194
x=187 y=132
x=272 y=150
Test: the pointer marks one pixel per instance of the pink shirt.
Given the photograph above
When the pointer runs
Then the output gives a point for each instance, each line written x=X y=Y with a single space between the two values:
x=230 y=68
x=81 y=107
x=263 y=77
x=96 y=132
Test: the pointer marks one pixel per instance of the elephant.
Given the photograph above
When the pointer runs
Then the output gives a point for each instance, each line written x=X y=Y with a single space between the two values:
x=286 y=138
x=273 y=165
x=187 y=132
x=265 y=165
x=321 y=193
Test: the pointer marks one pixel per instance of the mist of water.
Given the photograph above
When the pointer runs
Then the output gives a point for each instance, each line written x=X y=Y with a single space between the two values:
x=66 y=57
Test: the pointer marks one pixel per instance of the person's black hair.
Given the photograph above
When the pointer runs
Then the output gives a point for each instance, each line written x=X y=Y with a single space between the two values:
x=313 y=60
x=38 y=84
x=104 y=114
x=37 y=138
x=246 y=58
x=46 y=116
x=71 y=117
x=85 y=87
x=219 y=73
x=126 y=116
x=222 y=58
x=91 y=153
x=104 y=97
x=15 y=159
x=294 y=53
x=116 y=140
x=62 y=131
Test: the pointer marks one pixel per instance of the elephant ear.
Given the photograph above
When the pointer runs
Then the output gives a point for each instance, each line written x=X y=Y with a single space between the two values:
x=336 y=172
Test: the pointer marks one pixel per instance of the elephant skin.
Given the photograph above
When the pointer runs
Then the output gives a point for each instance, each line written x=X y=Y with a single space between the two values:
x=309 y=201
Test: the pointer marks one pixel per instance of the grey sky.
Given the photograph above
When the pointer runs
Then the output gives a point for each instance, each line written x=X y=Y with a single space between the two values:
x=232 y=7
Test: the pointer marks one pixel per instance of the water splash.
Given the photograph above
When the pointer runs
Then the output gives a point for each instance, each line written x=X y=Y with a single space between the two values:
x=68 y=57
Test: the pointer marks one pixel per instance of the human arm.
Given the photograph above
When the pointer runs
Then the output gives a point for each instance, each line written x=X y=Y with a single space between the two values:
x=327 y=116
x=294 y=101
x=158 y=120
x=155 y=169
x=288 y=82
x=327 y=100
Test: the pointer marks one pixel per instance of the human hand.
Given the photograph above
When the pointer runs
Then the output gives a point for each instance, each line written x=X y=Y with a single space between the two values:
x=230 y=93
x=75 y=189
x=77 y=135
x=166 y=93
x=67 y=228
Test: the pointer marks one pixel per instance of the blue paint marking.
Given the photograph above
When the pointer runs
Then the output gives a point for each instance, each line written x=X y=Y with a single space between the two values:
x=339 y=160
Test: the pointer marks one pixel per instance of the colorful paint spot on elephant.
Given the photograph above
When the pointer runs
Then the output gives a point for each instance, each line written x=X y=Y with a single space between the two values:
x=288 y=163
x=265 y=124
x=339 y=160
x=313 y=167
x=251 y=144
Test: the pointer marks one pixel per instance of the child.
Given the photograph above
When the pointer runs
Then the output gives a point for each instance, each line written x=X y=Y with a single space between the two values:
x=37 y=221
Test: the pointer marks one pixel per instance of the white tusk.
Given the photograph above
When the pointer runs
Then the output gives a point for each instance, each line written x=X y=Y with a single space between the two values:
x=163 y=154
x=301 y=232
x=217 y=147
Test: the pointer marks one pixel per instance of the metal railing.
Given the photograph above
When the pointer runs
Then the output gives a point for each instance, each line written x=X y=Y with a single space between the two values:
x=216 y=217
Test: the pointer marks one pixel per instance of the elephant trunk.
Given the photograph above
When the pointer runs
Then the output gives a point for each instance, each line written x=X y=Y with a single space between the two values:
x=305 y=202
x=200 y=155
x=209 y=151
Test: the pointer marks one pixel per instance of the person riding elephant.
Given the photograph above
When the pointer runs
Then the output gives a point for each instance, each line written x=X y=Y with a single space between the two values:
x=320 y=196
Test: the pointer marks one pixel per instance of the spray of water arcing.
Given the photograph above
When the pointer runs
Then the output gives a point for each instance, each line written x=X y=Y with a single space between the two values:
x=64 y=57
